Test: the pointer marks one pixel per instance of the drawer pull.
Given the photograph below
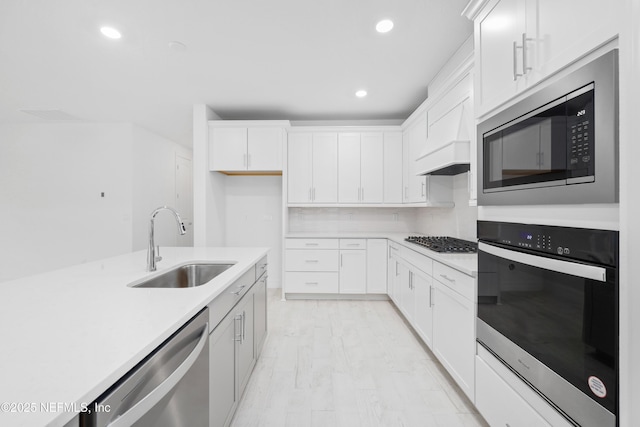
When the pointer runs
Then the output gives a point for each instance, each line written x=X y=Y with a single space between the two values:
x=311 y=283
x=444 y=276
x=353 y=244
x=311 y=244
x=311 y=260
x=239 y=290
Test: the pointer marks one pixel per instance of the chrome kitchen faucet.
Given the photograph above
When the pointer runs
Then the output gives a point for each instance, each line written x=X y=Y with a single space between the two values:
x=152 y=258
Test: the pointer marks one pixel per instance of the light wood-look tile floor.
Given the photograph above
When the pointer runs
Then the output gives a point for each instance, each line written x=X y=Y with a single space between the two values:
x=351 y=364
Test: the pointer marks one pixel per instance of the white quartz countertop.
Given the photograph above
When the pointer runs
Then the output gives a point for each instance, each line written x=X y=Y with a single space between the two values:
x=70 y=334
x=466 y=263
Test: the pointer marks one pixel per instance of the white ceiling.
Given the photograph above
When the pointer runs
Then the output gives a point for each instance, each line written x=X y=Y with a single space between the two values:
x=247 y=59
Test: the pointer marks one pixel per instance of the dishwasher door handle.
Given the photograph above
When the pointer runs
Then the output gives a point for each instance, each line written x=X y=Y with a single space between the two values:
x=138 y=410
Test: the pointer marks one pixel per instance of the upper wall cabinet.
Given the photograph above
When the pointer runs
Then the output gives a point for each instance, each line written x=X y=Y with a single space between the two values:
x=344 y=168
x=246 y=146
x=360 y=167
x=520 y=42
x=312 y=167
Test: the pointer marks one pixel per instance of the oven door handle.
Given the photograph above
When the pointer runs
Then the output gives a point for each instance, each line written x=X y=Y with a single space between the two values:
x=567 y=267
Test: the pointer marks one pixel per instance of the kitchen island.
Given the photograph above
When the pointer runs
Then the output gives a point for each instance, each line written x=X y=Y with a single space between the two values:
x=70 y=334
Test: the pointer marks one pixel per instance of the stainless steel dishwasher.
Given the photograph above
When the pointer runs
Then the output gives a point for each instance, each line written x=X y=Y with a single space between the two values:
x=169 y=388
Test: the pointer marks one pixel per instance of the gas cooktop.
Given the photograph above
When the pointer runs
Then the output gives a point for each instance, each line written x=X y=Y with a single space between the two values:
x=444 y=244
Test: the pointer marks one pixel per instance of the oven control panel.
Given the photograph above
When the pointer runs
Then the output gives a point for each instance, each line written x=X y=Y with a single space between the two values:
x=567 y=242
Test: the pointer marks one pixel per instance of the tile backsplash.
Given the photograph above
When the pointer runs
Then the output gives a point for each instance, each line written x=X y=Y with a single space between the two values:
x=459 y=221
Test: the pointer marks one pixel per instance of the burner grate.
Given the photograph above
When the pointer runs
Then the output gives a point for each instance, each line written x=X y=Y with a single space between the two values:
x=444 y=244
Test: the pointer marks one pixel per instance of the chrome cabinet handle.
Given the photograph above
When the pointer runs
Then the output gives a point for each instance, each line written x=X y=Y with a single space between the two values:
x=515 y=62
x=237 y=336
x=311 y=283
x=311 y=260
x=430 y=296
x=244 y=321
x=353 y=244
x=239 y=290
x=164 y=388
x=423 y=185
x=525 y=66
x=444 y=276
x=311 y=244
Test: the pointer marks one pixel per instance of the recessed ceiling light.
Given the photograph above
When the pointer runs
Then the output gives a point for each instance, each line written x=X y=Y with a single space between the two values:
x=110 y=32
x=361 y=93
x=384 y=26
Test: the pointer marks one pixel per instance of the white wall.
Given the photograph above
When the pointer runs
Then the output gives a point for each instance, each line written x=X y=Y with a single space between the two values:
x=253 y=217
x=459 y=221
x=53 y=175
x=208 y=188
x=52 y=214
x=154 y=185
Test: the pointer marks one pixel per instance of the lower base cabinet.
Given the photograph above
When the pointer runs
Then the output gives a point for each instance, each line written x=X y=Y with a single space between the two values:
x=234 y=346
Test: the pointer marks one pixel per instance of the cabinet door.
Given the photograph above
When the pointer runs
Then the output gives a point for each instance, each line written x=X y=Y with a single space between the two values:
x=423 y=285
x=456 y=351
x=407 y=297
x=260 y=314
x=563 y=31
x=395 y=291
x=349 y=167
x=222 y=390
x=353 y=272
x=325 y=167
x=371 y=167
x=376 y=266
x=392 y=168
x=416 y=185
x=227 y=149
x=499 y=63
x=246 y=349
x=299 y=163
x=264 y=149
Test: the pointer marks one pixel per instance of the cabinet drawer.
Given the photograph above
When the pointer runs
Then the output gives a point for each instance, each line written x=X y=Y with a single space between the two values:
x=311 y=283
x=499 y=404
x=311 y=244
x=353 y=243
x=311 y=260
x=454 y=279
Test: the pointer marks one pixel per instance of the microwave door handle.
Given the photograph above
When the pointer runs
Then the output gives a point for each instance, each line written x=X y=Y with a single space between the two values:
x=567 y=267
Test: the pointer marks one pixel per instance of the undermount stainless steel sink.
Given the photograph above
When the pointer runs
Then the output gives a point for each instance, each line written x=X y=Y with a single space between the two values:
x=184 y=276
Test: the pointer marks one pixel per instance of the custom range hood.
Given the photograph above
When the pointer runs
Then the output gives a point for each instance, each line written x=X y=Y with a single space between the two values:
x=447 y=151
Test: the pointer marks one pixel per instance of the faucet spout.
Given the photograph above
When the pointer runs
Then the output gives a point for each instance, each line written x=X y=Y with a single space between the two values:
x=152 y=257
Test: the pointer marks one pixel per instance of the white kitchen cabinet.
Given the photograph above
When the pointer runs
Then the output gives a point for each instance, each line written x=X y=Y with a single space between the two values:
x=312 y=167
x=349 y=168
x=414 y=140
x=376 y=266
x=299 y=167
x=423 y=284
x=520 y=42
x=353 y=271
x=325 y=167
x=360 y=167
x=392 y=165
x=454 y=328
x=246 y=146
x=371 y=167
x=311 y=266
x=407 y=294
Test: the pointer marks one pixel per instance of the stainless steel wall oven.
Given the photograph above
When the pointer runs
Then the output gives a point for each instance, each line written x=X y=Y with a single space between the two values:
x=557 y=146
x=548 y=309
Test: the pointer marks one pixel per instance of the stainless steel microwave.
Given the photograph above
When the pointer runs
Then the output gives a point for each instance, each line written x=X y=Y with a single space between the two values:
x=557 y=146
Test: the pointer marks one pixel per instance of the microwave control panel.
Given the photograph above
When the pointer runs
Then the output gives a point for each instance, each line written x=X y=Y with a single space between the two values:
x=580 y=134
